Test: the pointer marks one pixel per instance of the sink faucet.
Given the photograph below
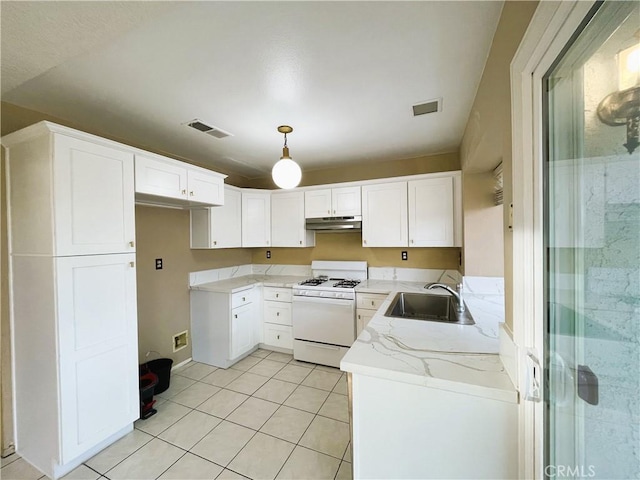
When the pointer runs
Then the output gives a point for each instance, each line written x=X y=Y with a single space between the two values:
x=457 y=295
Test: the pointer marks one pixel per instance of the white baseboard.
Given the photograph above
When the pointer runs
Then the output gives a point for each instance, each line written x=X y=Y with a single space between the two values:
x=178 y=365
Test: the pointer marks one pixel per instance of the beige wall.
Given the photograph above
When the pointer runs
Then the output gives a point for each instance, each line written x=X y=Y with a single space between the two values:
x=483 y=235
x=348 y=246
x=442 y=162
x=487 y=140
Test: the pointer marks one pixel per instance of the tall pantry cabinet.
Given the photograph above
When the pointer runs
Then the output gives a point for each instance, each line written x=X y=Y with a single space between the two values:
x=73 y=294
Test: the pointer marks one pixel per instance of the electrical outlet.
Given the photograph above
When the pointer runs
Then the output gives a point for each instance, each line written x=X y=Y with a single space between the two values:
x=158 y=264
x=268 y=253
x=405 y=255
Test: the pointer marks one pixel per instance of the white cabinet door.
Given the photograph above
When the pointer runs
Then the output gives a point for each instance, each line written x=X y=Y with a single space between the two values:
x=431 y=212
x=288 y=222
x=384 y=215
x=94 y=198
x=218 y=227
x=205 y=187
x=162 y=178
x=362 y=319
x=256 y=219
x=242 y=330
x=98 y=349
x=346 y=202
x=317 y=203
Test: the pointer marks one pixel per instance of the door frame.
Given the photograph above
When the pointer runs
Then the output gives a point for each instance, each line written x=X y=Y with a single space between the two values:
x=550 y=30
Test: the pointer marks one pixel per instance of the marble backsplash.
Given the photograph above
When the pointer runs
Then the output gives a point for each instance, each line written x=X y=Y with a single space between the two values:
x=414 y=274
x=214 y=275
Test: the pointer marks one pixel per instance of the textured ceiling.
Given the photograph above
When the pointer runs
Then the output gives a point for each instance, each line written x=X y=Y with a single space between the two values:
x=344 y=74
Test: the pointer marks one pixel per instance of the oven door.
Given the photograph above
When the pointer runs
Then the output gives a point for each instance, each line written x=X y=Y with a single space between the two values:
x=324 y=320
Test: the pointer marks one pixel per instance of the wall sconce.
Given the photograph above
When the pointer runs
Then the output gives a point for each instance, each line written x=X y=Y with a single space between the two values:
x=623 y=107
x=286 y=173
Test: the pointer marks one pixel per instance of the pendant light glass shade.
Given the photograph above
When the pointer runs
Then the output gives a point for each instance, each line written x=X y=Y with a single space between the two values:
x=286 y=173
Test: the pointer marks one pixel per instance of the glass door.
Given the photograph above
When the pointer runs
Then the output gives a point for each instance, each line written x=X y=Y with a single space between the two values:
x=592 y=240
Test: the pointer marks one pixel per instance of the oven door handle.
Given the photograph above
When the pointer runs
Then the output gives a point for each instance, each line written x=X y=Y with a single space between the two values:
x=323 y=300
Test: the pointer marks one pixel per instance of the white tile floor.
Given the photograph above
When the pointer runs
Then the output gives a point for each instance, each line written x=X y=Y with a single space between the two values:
x=266 y=417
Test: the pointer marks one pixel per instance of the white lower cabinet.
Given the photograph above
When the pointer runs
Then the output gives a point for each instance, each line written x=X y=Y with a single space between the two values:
x=277 y=323
x=76 y=356
x=224 y=326
x=402 y=430
x=366 y=306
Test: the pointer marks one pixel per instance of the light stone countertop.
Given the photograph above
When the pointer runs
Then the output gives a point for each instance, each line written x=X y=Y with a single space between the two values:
x=237 y=284
x=459 y=358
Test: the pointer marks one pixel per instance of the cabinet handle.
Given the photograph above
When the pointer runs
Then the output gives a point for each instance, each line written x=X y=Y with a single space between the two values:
x=277 y=295
x=359 y=317
x=334 y=212
x=184 y=192
x=132 y=264
x=372 y=302
x=244 y=299
x=277 y=314
x=191 y=193
x=131 y=244
x=411 y=240
x=215 y=242
x=278 y=337
x=300 y=242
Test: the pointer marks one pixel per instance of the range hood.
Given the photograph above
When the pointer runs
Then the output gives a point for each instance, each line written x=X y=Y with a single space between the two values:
x=335 y=224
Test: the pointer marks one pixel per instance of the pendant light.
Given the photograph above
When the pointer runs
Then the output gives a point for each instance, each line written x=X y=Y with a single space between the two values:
x=286 y=173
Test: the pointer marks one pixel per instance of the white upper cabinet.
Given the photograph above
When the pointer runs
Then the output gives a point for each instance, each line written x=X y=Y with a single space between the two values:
x=384 y=215
x=218 y=227
x=164 y=181
x=431 y=212
x=288 y=221
x=69 y=196
x=332 y=202
x=256 y=218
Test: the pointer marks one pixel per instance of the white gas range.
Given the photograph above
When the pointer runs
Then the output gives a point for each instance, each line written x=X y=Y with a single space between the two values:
x=324 y=311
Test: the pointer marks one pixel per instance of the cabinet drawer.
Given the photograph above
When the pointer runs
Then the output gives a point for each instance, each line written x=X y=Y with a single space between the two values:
x=277 y=294
x=241 y=298
x=278 y=336
x=277 y=312
x=370 y=301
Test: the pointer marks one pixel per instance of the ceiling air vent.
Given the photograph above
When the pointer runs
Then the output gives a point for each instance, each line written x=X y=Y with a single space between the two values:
x=208 y=129
x=430 y=106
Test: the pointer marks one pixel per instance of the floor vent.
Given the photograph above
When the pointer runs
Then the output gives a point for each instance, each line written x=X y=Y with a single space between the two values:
x=430 y=106
x=208 y=129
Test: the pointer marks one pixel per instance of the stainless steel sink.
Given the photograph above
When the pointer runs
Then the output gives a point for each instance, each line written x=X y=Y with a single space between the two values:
x=426 y=307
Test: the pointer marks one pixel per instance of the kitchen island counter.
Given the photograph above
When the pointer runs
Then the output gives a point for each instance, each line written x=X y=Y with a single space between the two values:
x=457 y=358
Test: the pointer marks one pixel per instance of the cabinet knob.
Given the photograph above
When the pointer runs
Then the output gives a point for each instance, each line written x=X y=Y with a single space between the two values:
x=191 y=193
x=215 y=242
x=329 y=212
x=411 y=240
x=364 y=241
x=372 y=302
x=131 y=244
x=300 y=242
x=277 y=314
x=235 y=316
x=278 y=337
x=132 y=264
x=184 y=192
x=244 y=299
x=277 y=295
x=359 y=317
x=334 y=212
